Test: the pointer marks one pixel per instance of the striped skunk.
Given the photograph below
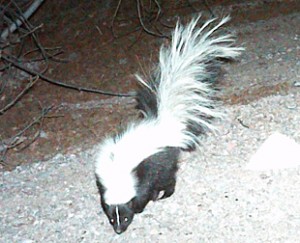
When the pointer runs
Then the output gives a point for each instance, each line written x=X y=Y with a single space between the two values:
x=177 y=102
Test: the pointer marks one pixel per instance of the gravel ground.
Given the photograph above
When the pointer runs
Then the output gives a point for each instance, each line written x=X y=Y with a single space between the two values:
x=216 y=200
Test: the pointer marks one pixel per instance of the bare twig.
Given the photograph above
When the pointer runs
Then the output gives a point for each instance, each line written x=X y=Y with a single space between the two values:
x=13 y=102
x=19 y=138
x=18 y=22
x=50 y=57
x=140 y=11
x=38 y=121
x=44 y=112
x=136 y=39
x=114 y=17
x=59 y=83
x=164 y=24
x=35 y=38
x=46 y=48
x=13 y=12
x=31 y=31
x=242 y=123
x=99 y=30
x=138 y=6
x=159 y=10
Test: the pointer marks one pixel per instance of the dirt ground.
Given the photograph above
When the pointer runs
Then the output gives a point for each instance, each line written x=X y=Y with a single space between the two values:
x=99 y=60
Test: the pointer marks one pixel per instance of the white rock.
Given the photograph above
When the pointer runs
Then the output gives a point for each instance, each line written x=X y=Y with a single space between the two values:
x=277 y=152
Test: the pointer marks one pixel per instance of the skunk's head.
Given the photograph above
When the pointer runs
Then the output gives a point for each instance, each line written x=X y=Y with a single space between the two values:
x=119 y=216
x=119 y=213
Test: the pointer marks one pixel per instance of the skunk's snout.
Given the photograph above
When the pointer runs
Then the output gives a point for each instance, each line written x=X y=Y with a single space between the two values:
x=118 y=230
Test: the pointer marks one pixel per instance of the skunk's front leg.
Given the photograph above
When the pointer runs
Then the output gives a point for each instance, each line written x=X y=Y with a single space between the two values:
x=140 y=202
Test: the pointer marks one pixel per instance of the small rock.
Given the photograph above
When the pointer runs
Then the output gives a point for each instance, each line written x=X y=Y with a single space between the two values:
x=297 y=84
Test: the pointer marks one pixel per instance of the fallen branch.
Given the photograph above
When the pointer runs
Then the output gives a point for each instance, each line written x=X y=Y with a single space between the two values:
x=19 y=138
x=13 y=102
x=59 y=83
x=33 y=7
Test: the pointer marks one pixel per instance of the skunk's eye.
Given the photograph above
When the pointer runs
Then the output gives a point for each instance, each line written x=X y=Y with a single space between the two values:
x=126 y=219
x=112 y=221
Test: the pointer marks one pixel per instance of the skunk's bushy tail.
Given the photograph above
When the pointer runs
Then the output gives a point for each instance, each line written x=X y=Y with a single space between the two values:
x=181 y=93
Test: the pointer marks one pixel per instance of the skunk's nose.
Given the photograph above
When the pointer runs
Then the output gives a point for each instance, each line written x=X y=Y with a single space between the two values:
x=118 y=230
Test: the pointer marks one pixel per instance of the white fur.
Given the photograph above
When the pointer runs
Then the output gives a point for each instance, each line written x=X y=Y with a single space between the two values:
x=182 y=66
x=116 y=159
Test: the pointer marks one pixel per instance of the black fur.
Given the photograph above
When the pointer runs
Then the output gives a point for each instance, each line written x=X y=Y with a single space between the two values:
x=155 y=174
x=147 y=99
